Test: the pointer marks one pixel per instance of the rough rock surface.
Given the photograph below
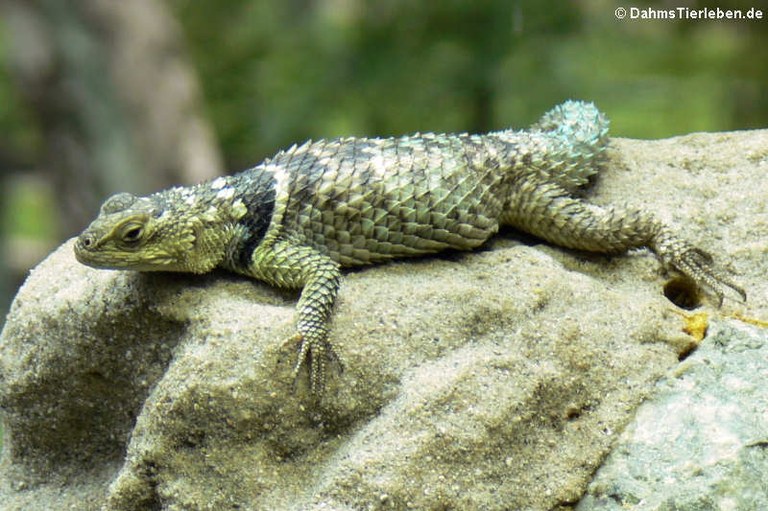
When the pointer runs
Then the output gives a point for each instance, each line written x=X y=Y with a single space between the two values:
x=498 y=379
x=702 y=441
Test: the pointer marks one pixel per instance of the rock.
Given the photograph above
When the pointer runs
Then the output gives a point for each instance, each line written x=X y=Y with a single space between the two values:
x=702 y=441
x=498 y=379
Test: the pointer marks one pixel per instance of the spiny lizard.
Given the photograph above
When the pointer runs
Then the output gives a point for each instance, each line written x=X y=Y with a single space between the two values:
x=296 y=219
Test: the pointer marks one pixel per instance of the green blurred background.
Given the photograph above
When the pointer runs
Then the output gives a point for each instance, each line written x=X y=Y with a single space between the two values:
x=99 y=97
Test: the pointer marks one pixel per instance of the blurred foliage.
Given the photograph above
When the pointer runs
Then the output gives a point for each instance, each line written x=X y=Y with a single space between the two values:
x=21 y=138
x=33 y=199
x=275 y=72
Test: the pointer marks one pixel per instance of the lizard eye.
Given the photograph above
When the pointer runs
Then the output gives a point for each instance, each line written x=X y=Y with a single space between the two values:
x=132 y=234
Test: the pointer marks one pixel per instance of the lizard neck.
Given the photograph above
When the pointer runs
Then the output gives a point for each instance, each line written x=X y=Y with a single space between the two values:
x=200 y=223
x=233 y=215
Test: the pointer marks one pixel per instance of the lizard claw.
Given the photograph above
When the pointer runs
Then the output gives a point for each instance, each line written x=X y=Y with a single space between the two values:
x=315 y=353
x=699 y=266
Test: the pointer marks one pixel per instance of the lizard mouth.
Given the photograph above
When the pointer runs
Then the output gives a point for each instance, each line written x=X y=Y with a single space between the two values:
x=84 y=251
x=89 y=251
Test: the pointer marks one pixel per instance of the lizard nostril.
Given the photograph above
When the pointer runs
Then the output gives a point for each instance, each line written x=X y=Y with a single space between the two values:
x=85 y=241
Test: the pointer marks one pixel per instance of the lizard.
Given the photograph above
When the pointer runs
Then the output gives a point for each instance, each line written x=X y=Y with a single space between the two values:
x=297 y=219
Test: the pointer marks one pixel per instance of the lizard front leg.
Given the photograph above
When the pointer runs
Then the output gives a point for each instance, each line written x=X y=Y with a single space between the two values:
x=291 y=265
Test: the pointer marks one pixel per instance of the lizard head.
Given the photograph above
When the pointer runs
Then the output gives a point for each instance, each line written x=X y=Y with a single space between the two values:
x=137 y=233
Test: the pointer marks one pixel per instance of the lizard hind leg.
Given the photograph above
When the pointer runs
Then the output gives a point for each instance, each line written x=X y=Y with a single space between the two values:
x=550 y=212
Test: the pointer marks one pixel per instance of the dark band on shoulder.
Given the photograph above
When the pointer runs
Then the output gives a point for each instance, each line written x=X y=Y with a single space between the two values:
x=259 y=200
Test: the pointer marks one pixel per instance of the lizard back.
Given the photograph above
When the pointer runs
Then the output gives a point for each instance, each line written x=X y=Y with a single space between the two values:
x=362 y=201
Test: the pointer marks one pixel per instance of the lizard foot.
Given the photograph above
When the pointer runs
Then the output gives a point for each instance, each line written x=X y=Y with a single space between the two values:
x=699 y=266
x=314 y=352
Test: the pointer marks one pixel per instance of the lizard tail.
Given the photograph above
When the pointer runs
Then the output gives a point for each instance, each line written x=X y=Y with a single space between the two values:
x=576 y=135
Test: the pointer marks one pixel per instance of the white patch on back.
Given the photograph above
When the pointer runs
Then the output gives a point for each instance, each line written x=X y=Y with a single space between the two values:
x=225 y=193
x=378 y=165
x=218 y=183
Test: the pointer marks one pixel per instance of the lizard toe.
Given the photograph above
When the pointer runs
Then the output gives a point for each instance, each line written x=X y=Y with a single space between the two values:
x=699 y=265
x=314 y=353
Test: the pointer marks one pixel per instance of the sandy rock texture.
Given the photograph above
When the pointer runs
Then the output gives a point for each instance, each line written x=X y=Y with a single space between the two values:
x=493 y=380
